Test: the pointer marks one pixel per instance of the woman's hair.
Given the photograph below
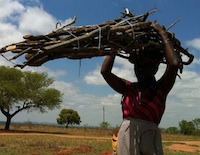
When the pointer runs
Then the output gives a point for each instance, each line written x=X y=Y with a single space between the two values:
x=146 y=56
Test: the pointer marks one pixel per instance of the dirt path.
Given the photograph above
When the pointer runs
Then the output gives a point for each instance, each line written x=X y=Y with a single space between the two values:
x=186 y=146
x=58 y=135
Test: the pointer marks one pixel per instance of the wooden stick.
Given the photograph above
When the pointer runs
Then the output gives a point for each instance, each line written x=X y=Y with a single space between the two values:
x=21 y=53
x=64 y=43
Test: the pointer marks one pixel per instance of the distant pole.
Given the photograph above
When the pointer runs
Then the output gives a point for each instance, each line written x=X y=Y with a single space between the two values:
x=103 y=114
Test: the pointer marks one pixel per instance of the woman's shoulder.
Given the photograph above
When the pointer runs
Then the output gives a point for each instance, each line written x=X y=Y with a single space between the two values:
x=130 y=85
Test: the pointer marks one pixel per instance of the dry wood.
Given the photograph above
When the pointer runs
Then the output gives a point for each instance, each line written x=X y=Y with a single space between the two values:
x=119 y=36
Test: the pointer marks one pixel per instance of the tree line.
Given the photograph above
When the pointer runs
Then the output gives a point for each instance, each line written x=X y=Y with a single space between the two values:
x=186 y=127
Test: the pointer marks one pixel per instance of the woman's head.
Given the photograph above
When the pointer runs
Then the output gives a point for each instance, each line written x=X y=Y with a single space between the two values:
x=146 y=55
x=146 y=63
x=145 y=71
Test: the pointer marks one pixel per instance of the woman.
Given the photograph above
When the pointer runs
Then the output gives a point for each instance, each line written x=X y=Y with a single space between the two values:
x=143 y=102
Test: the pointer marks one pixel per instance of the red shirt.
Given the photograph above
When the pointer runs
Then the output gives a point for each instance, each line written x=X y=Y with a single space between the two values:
x=150 y=108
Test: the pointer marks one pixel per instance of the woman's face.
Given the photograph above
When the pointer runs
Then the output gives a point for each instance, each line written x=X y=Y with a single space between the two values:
x=145 y=71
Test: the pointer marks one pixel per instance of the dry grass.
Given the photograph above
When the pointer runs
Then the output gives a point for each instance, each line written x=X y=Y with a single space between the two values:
x=49 y=145
x=98 y=132
x=179 y=137
x=54 y=140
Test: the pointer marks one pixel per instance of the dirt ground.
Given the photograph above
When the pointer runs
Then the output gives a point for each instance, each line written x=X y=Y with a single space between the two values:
x=185 y=146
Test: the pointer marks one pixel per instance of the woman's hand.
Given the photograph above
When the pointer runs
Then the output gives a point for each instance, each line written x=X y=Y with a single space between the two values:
x=157 y=27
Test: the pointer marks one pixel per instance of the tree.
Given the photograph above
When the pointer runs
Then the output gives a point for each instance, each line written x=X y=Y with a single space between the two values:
x=172 y=130
x=68 y=116
x=29 y=91
x=187 y=128
x=196 y=122
x=104 y=125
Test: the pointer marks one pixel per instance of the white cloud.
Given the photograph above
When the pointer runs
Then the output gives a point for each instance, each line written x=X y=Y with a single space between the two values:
x=94 y=77
x=196 y=61
x=55 y=74
x=9 y=34
x=183 y=100
x=9 y=9
x=17 y=20
x=35 y=20
x=195 y=43
x=111 y=100
x=66 y=88
x=123 y=69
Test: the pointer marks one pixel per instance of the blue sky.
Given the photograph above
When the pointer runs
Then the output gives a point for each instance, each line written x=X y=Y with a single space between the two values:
x=88 y=93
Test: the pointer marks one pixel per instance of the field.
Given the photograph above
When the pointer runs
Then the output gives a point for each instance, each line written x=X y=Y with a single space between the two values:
x=51 y=140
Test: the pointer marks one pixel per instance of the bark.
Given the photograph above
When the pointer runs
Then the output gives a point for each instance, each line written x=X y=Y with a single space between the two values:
x=10 y=116
x=8 y=121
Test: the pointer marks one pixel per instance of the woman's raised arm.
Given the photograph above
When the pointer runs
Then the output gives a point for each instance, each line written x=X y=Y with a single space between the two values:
x=114 y=81
x=168 y=79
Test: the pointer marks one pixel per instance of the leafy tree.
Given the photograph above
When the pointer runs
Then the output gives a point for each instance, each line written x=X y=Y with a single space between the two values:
x=187 y=128
x=196 y=122
x=68 y=116
x=104 y=125
x=26 y=91
x=172 y=130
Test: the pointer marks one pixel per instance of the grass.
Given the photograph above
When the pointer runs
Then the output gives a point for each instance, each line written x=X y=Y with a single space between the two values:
x=45 y=143
x=62 y=130
x=49 y=145
x=179 y=137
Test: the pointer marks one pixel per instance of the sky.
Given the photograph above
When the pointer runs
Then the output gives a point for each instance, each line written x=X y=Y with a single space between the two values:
x=81 y=83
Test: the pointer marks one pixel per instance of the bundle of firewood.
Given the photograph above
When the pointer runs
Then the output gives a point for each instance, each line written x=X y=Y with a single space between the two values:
x=119 y=36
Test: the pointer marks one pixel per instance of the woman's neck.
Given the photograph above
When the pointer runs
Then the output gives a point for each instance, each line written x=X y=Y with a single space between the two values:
x=146 y=83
